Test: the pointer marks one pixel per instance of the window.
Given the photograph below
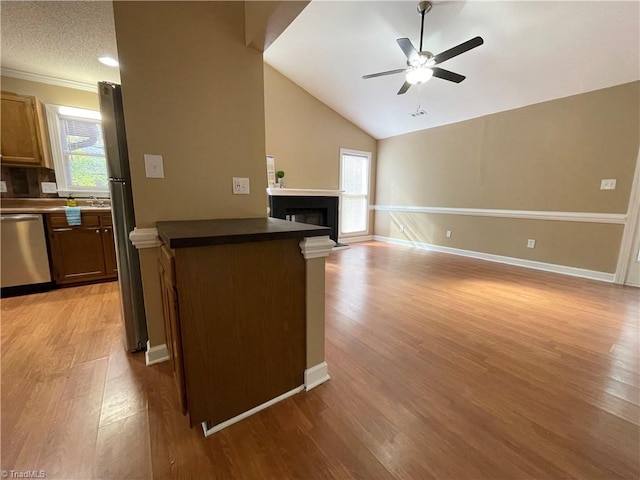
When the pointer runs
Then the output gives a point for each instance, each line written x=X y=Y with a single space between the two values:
x=354 y=183
x=78 y=152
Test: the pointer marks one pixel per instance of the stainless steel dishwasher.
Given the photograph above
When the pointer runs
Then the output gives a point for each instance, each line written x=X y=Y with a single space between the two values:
x=24 y=250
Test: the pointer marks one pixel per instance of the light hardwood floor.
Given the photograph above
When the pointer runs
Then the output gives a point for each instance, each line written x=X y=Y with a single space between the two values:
x=442 y=367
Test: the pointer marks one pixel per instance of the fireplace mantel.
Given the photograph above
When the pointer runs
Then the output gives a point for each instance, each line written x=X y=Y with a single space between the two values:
x=302 y=192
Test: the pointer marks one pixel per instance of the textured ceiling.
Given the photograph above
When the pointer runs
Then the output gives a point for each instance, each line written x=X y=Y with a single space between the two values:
x=59 y=39
x=533 y=52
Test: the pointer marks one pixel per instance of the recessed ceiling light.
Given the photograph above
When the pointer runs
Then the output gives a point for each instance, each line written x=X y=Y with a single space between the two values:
x=109 y=61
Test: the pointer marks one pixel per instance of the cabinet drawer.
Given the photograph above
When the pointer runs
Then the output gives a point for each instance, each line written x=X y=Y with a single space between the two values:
x=105 y=219
x=60 y=220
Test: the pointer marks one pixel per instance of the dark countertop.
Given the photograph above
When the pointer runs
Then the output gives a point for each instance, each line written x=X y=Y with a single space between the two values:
x=200 y=233
x=40 y=210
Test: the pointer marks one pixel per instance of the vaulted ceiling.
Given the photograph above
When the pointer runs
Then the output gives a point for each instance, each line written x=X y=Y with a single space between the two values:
x=533 y=52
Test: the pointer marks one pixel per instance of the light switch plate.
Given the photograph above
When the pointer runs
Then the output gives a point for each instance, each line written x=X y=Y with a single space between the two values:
x=49 y=187
x=153 y=167
x=531 y=243
x=241 y=186
x=448 y=233
x=608 y=184
x=3 y=186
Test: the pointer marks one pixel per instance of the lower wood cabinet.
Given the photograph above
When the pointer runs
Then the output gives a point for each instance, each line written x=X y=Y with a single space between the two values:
x=83 y=253
x=170 y=312
x=234 y=320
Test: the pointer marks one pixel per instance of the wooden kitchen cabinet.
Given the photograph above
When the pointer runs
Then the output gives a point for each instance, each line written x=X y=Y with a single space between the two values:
x=170 y=311
x=234 y=308
x=84 y=253
x=108 y=243
x=24 y=134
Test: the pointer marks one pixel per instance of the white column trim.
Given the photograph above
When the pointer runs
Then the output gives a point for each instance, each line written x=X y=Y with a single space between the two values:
x=157 y=354
x=316 y=375
x=145 y=238
x=316 y=247
x=619 y=218
x=630 y=227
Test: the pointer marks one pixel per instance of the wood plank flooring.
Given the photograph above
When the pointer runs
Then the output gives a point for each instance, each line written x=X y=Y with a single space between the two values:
x=442 y=367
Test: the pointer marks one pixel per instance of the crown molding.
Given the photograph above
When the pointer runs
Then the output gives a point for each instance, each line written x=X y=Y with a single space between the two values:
x=36 y=77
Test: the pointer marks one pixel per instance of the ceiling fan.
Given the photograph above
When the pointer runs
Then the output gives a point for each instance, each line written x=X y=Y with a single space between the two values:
x=421 y=64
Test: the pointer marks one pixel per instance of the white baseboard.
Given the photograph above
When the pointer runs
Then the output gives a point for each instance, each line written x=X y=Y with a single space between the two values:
x=156 y=354
x=547 y=267
x=360 y=238
x=316 y=375
x=248 y=413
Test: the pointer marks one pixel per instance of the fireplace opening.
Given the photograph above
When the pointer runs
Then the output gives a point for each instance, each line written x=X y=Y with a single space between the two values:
x=316 y=216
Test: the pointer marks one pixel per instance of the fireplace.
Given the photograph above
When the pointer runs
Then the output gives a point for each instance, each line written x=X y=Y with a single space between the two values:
x=317 y=207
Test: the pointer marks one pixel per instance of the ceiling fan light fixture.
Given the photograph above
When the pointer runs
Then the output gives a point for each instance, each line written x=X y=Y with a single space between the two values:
x=418 y=75
x=108 y=61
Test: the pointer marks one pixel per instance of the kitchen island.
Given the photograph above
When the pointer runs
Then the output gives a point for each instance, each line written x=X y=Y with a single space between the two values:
x=243 y=304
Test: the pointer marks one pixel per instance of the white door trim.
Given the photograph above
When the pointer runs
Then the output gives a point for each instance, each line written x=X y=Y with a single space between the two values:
x=629 y=228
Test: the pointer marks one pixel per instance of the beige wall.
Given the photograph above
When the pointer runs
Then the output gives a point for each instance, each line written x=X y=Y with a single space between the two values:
x=550 y=156
x=52 y=94
x=193 y=93
x=305 y=136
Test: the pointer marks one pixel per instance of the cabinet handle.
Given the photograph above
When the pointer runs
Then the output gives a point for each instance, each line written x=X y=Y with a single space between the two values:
x=62 y=229
x=98 y=230
x=106 y=230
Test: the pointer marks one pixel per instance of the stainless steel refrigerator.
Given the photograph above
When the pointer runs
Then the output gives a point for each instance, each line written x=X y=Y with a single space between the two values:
x=129 y=277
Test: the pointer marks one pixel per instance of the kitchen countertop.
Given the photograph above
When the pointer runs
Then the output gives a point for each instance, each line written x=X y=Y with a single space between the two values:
x=37 y=209
x=47 y=205
x=200 y=233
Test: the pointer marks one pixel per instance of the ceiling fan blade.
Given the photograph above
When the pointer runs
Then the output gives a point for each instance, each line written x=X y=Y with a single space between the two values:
x=408 y=49
x=447 y=75
x=403 y=89
x=389 y=72
x=455 y=51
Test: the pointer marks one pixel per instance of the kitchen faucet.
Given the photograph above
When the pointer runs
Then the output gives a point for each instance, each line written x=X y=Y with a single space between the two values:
x=100 y=201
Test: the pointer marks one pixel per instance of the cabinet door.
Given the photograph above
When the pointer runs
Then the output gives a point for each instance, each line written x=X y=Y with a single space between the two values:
x=19 y=132
x=176 y=347
x=77 y=254
x=108 y=243
x=172 y=322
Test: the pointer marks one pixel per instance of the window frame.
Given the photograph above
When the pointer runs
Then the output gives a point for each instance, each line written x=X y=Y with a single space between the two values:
x=53 y=122
x=367 y=196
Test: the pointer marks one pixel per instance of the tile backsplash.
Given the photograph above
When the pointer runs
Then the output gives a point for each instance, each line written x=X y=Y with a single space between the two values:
x=25 y=182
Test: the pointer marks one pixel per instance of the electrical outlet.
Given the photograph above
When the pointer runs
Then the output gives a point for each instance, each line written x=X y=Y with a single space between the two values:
x=49 y=187
x=3 y=186
x=448 y=233
x=241 y=186
x=531 y=243
x=608 y=184
x=402 y=228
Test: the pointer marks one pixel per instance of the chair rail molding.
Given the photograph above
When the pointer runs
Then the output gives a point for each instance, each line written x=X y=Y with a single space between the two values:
x=619 y=218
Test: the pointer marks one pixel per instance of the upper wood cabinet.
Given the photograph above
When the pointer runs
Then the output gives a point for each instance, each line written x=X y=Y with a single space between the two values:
x=24 y=136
